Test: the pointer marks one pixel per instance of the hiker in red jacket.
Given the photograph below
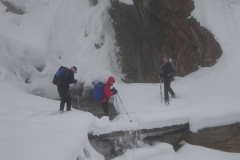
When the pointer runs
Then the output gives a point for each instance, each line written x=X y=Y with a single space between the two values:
x=107 y=94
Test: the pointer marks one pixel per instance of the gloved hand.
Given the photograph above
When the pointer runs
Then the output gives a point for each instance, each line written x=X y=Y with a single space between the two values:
x=114 y=91
x=161 y=74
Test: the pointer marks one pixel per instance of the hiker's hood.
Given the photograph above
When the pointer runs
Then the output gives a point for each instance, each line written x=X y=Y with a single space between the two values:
x=109 y=81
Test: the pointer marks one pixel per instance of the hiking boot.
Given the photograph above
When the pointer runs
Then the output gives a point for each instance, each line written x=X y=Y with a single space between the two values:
x=60 y=111
x=167 y=103
x=68 y=110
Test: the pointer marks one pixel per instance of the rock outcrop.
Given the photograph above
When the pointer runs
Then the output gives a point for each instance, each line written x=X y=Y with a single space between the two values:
x=151 y=28
x=223 y=138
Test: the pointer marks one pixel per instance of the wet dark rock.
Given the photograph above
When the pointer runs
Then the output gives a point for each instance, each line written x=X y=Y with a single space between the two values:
x=151 y=28
x=224 y=138
x=12 y=8
x=89 y=105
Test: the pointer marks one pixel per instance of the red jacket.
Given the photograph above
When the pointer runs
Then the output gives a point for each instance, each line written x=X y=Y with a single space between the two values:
x=107 y=90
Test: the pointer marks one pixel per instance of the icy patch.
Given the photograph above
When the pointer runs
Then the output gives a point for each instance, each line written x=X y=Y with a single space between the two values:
x=129 y=2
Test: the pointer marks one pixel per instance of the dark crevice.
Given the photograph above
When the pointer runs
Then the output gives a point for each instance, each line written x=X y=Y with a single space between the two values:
x=40 y=68
x=93 y=2
x=12 y=8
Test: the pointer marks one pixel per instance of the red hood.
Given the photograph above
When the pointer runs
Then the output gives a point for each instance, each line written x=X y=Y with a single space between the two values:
x=109 y=81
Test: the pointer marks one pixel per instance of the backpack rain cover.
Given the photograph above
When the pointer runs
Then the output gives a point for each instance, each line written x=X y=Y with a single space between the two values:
x=98 y=91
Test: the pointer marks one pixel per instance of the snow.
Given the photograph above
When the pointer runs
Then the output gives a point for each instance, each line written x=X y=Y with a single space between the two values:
x=52 y=33
x=165 y=151
x=129 y=2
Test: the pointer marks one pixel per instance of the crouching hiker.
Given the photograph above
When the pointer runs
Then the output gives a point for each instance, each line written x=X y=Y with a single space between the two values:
x=166 y=73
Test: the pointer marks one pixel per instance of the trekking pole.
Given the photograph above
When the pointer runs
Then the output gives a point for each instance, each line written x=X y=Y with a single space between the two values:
x=117 y=104
x=78 y=102
x=160 y=89
x=124 y=108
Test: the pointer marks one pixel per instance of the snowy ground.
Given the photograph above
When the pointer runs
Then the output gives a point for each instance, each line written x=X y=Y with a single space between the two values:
x=30 y=125
x=187 y=152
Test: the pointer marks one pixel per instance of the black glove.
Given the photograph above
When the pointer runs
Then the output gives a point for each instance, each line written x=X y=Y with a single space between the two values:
x=114 y=91
x=161 y=74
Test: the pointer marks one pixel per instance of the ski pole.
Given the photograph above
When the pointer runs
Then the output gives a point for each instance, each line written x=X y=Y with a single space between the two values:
x=124 y=108
x=78 y=103
x=160 y=89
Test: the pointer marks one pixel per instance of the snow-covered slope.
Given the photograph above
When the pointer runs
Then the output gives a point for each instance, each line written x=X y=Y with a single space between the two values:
x=52 y=33
x=59 y=32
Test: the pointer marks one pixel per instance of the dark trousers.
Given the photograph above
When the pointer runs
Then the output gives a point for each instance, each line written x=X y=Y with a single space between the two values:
x=65 y=98
x=105 y=107
x=167 y=88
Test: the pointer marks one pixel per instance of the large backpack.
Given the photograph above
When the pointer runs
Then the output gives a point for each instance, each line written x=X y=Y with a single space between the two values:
x=98 y=91
x=174 y=66
x=60 y=78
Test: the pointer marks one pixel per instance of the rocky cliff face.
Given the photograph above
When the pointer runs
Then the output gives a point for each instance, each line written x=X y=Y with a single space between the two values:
x=151 y=28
